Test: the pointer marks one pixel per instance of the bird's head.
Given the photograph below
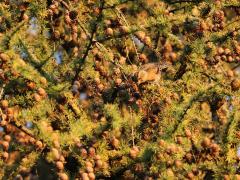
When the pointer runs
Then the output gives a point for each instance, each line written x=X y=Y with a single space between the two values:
x=142 y=76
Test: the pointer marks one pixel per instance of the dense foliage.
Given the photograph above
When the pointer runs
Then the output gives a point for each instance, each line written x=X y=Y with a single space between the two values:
x=119 y=89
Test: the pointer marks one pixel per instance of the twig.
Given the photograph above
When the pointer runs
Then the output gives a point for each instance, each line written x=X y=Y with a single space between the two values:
x=177 y=9
x=150 y=47
x=118 y=4
x=1 y=94
x=235 y=67
x=124 y=19
x=13 y=123
x=100 y=47
x=99 y=39
x=184 y=1
x=21 y=128
x=132 y=129
x=35 y=64
x=91 y=41
x=235 y=20
x=65 y=4
x=8 y=37
x=2 y=90
x=208 y=93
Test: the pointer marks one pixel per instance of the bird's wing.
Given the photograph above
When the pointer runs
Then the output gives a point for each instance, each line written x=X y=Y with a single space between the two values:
x=149 y=66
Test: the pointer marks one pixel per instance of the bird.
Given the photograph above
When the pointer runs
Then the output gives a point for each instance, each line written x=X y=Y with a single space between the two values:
x=150 y=72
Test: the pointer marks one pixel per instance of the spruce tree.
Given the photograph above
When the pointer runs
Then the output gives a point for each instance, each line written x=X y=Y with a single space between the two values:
x=119 y=89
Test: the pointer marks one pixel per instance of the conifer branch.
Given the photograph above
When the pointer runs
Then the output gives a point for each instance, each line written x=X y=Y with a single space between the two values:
x=6 y=40
x=91 y=41
x=204 y=94
x=182 y=70
x=1 y=91
x=90 y=118
x=21 y=128
x=184 y=1
x=35 y=64
x=117 y=4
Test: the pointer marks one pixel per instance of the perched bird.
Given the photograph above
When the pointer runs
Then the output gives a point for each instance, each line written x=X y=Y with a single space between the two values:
x=150 y=72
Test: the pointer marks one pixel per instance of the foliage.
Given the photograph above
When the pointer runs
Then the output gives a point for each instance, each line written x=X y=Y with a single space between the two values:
x=119 y=89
